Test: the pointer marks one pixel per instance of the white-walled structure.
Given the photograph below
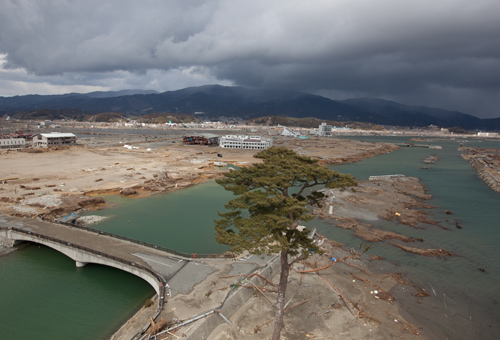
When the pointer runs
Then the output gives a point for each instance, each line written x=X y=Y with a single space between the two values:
x=245 y=142
x=12 y=143
x=487 y=134
x=45 y=140
x=289 y=133
x=325 y=130
x=322 y=130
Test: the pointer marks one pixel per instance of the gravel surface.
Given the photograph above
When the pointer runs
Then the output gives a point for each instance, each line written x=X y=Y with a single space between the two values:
x=24 y=209
x=45 y=200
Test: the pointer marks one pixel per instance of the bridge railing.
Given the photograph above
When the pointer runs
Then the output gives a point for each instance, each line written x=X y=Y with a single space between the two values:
x=146 y=244
x=96 y=252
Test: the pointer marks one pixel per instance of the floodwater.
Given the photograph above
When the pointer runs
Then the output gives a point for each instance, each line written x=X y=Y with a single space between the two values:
x=49 y=298
x=44 y=296
x=464 y=302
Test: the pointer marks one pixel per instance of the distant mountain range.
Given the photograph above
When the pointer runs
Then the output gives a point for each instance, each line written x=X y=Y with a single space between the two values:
x=215 y=101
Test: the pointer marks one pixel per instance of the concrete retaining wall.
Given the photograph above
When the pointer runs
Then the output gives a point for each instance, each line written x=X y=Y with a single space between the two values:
x=233 y=302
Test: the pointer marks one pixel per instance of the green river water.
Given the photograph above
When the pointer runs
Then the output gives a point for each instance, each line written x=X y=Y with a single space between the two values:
x=465 y=301
x=44 y=296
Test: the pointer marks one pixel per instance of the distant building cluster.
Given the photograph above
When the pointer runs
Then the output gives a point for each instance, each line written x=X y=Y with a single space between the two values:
x=325 y=130
x=20 y=140
x=228 y=141
x=250 y=139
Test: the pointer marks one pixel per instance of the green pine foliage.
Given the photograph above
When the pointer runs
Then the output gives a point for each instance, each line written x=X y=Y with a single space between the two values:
x=268 y=207
x=264 y=216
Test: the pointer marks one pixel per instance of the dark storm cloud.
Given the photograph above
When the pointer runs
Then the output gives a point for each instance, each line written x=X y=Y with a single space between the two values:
x=442 y=53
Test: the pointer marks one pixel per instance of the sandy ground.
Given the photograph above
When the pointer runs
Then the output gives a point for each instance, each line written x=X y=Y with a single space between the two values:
x=342 y=301
x=77 y=172
x=349 y=299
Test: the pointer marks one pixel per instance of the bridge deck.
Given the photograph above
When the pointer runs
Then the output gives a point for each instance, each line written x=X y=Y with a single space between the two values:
x=165 y=264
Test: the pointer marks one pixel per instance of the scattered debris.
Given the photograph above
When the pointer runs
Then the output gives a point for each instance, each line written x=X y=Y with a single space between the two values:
x=425 y=252
x=431 y=159
x=128 y=192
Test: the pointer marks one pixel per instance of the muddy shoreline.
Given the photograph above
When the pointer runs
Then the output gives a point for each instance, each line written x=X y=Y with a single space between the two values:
x=486 y=162
x=402 y=199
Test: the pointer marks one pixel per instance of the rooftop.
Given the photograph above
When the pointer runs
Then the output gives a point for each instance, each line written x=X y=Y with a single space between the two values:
x=57 y=134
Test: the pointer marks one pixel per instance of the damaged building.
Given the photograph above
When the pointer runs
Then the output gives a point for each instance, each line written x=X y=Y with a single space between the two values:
x=201 y=139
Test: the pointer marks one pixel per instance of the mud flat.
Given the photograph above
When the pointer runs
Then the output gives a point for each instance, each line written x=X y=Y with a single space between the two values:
x=337 y=151
x=487 y=164
x=398 y=198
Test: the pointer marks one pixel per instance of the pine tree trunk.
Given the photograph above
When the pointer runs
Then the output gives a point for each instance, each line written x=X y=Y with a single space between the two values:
x=280 y=302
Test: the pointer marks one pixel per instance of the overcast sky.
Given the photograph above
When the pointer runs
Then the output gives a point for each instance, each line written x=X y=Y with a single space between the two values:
x=441 y=53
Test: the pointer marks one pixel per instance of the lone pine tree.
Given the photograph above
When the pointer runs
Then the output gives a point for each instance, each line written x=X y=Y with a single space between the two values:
x=264 y=216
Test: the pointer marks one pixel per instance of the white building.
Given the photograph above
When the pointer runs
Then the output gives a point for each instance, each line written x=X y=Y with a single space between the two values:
x=289 y=133
x=12 y=143
x=245 y=142
x=45 y=140
x=322 y=130
x=487 y=134
x=325 y=130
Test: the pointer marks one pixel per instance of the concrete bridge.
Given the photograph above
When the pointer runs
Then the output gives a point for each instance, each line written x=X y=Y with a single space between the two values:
x=84 y=255
x=165 y=270
x=172 y=274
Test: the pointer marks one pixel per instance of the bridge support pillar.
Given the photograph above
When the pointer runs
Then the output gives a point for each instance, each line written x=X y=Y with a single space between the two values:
x=7 y=242
x=80 y=264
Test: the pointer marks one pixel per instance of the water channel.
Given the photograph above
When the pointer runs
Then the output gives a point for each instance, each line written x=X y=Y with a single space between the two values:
x=44 y=296
x=465 y=302
x=49 y=298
